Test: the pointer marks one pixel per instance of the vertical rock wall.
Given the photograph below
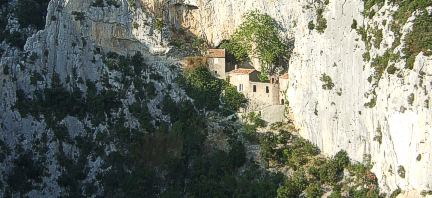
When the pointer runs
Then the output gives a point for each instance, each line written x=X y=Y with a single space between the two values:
x=396 y=132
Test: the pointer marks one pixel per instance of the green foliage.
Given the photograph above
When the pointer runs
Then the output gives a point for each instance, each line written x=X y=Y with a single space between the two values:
x=232 y=99
x=368 y=4
x=401 y=171
x=321 y=21
x=55 y=103
x=354 y=24
x=341 y=159
x=381 y=63
x=25 y=173
x=132 y=3
x=419 y=39
x=294 y=155
x=16 y=39
x=32 y=13
x=330 y=172
x=203 y=87
x=372 y=102
x=206 y=90
x=366 y=57
x=311 y=25
x=419 y=156
x=311 y=173
x=378 y=136
x=314 y=190
x=255 y=119
x=378 y=35
x=391 y=69
x=294 y=186
x=159 y=24
x=258 y=36
x=327 y=82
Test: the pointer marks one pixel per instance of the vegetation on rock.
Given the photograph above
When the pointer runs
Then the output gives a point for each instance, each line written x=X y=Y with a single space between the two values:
x=258 y=36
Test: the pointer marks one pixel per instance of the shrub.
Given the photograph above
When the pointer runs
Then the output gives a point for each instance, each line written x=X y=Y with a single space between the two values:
x=391 y=69
x=32 y=13
x=327 y=82
x=401 y=171
x=354 y=24
x=311 y=25
x=321 y=21
x=314 y=190
x=371 y=103
x=341 y=159
x=329 y=172
x=294 y=186
x=26 y=172
x=159 y=24
x=232 y=99
x=16 y=39
x=378 y=35
x=419 y=39
x=202 y=86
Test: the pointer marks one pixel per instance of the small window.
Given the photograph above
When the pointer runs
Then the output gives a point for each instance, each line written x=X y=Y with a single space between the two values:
x=254 y=88
x=215 y=72
x=272 y=80
x=282 y=101
x=241 y=87
x=267 y=89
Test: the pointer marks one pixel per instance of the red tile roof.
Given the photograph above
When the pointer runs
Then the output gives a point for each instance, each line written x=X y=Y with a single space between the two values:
x=216 y=53
x=242 y=71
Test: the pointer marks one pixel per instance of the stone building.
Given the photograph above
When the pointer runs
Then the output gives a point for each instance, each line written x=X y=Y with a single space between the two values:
x=216 y=62
x=283 y=85
x=247 y=82
x=266 y=97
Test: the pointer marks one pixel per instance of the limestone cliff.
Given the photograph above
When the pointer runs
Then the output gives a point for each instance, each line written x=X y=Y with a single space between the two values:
x=387 y=117
x=395 y=130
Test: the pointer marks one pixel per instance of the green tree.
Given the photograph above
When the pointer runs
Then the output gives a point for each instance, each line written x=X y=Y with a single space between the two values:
x=258 y=36
x=203 y=87
x=314 y=190
x=232 y=99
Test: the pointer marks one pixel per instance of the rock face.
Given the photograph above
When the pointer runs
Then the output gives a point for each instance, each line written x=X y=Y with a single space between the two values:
x=71 y=46
x=395 y=132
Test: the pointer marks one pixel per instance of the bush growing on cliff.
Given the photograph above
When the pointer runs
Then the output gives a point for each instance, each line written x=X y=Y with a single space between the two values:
x=419 y=40
x=232 y=99
x=327 y=82
x=207 y=90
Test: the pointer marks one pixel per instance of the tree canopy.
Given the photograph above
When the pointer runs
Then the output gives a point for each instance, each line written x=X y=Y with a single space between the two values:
x=258 y=36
